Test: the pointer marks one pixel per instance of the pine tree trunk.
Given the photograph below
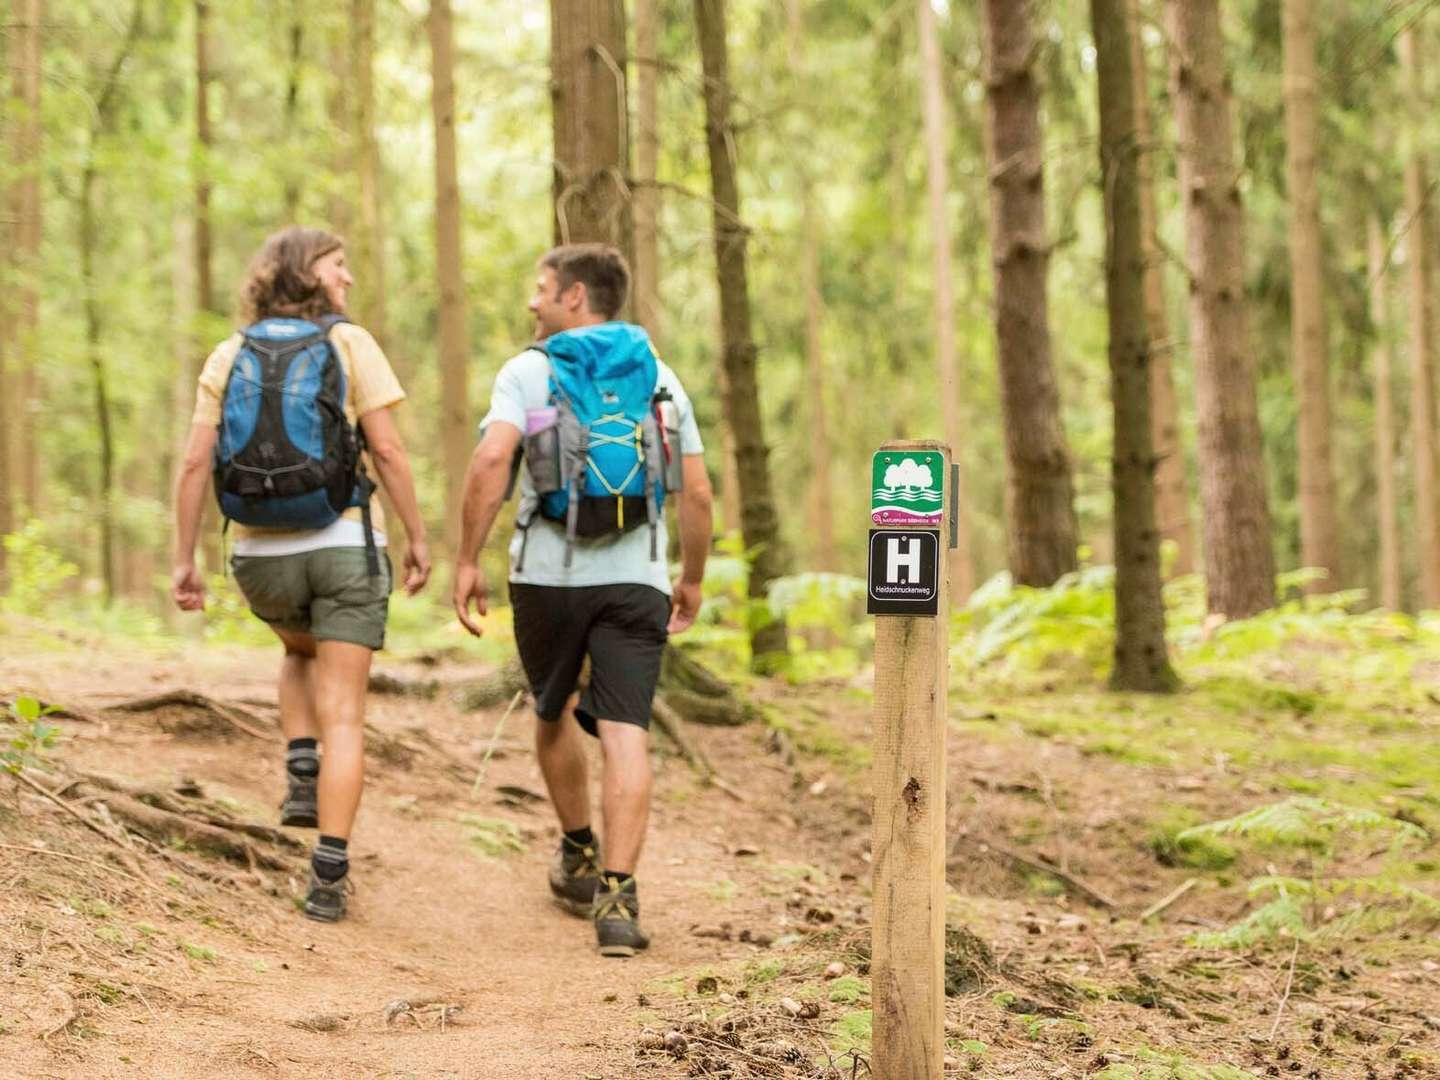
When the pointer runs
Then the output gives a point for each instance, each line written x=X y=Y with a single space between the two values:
x=1172 y=490
x=1039 y=495
x=1319 y=532
x=204 y=140
x=932 y=97
x=758 y=523
x=454 y=336
x=1239 y=562
x=821 y=505
x=587 y=85
x=368 y=246
x=647 y=142
x=1141 y=660
x=1385 y=486
x=1422 y=407
x=210 y=544
x=295 y=34
x=106 y=101
x=25 y=49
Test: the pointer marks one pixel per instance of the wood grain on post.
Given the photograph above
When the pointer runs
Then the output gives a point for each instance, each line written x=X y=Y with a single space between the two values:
x=908 y=844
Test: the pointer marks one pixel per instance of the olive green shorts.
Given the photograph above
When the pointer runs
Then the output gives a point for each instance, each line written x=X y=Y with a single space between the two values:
x=328 y=593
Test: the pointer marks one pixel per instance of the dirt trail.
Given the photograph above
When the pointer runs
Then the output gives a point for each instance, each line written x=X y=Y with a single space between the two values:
x=432 y=921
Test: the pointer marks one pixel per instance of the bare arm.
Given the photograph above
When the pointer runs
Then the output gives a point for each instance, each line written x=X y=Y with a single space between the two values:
x=696 y=522
x=485 y=482
x=186 y=586
x=387 y=451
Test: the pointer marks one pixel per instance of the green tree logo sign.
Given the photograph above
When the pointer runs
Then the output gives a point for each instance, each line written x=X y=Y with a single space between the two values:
x=906 y=488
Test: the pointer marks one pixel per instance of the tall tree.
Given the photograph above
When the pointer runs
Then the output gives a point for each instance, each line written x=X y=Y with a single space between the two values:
x=1422 y=402
x=962 y=573
x=1385 y=486
x=204 y=145
x=368 y=244
x=1039 y=492
x=1141 y=660
x=1172 y=491
x=590 y=113
x=204 y=247
x=1319 y=532
x=102 y=124
x=822 y=512
x=647 y=190
x=1239 y=562
x=759 y=526
x=295 y=63
x=27 y=232
x=454 y=335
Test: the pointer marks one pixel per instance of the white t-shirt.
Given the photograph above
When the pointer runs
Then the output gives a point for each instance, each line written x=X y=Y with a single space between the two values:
x=524 y=383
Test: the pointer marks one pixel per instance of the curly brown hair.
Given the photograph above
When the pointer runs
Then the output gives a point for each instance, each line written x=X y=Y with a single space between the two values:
x=281 y=281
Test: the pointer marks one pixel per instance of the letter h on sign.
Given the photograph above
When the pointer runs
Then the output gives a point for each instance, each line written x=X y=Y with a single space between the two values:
x=910 y=560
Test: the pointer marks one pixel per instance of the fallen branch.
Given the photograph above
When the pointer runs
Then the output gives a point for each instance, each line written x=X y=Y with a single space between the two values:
x=494 y=738
x=1169 y=899
x=234 y=715
x=1289 y=982
x=72 y=858
x=1064 y=876
x=668 y=721
x=129 y=858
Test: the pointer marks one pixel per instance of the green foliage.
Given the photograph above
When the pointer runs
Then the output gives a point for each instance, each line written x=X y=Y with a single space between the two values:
x=37 y=572
x=1305 y=822
x=493 y=838
x=848 y=989
x=25 y=738
x=853 y=1031
x=1173 y=845
x=1310 y=907
x=1019 y=628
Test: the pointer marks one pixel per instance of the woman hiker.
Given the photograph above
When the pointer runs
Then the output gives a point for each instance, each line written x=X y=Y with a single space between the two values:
x=293 y=418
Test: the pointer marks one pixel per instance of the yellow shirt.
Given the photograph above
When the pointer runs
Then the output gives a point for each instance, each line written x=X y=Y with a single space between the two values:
x=370 y=384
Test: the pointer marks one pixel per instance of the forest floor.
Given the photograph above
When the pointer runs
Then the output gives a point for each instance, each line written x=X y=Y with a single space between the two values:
x=143 y=945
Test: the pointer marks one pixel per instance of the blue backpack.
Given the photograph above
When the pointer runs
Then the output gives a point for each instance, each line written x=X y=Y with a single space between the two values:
x=597 y=455
x=287 y=457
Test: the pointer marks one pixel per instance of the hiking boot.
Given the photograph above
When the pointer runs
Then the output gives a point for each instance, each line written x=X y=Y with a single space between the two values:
x=617 y=918
x=575 y=875
x=300 y=807
x=326 y=901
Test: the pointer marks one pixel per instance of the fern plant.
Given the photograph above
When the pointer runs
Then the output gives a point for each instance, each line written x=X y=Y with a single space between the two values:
x=1309 y=907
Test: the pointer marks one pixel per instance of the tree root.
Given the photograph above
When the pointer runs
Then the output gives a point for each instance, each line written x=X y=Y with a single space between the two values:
x=167 y=827
x=187 y=806
x=382 y=682
x=668 y=721
x=1069 y=880
x=497 y=688
x=221 y=716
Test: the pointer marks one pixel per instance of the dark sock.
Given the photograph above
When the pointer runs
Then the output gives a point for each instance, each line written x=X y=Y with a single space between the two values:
x=330 y=861
x=615 y=880
x=302 y=759
x=581 y=837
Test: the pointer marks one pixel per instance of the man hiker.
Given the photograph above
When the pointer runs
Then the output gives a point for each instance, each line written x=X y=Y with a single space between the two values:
x=606 y=431
x=291 y=415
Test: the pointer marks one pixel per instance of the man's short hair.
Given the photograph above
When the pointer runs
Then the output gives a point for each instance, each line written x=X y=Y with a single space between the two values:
x=602 y=269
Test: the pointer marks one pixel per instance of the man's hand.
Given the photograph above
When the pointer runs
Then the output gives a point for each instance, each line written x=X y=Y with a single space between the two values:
x=684 y=606
x=470 y=584
x=417 y=566
x=187 y=587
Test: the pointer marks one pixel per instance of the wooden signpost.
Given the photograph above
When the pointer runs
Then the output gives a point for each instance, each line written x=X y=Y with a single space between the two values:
x=908 y=592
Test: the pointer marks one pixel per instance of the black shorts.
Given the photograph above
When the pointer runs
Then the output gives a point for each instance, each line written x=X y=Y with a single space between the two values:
x=620 y=627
